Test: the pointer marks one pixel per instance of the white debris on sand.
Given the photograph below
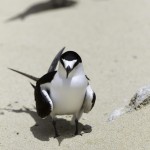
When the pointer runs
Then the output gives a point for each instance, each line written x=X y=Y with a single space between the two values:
x=118 y=112
x=140 y=99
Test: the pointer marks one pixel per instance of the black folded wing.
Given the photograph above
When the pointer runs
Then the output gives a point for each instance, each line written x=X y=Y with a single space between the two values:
x=43 y=102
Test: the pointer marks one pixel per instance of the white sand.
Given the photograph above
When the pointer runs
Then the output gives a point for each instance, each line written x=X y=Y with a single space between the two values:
x=113 y=39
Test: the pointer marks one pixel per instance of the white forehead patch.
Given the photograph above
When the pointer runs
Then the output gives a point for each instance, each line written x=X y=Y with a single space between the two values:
x=69 y=63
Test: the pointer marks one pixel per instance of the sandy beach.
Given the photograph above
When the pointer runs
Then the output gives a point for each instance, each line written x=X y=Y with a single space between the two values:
x=113 y=39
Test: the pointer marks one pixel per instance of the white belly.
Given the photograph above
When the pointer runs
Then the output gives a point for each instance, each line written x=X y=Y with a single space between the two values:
x=68 y=94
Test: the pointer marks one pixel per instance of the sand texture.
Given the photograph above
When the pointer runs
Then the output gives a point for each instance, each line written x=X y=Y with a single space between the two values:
x=113 y=39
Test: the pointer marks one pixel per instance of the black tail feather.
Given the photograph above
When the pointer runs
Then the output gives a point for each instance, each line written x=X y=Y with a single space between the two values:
x=24 y=74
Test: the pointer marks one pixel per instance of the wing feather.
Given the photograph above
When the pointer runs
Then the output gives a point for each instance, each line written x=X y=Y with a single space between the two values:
x=89 y=101
x=44 y=105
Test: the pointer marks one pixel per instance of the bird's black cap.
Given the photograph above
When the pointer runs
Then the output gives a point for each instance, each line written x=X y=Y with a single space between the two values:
x=71 y=55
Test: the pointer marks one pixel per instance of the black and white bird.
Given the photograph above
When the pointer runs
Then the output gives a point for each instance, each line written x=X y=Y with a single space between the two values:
x=65 y=91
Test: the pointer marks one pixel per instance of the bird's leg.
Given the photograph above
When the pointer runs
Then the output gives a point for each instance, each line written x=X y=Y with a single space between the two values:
x=54 y=125
x=76 y=123
x=77 y=116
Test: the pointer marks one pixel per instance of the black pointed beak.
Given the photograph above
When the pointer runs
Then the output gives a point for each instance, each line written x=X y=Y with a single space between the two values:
x=68 y=70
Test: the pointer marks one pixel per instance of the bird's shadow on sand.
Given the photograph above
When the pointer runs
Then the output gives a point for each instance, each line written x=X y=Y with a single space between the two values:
x=40 y=7
x=43 y=129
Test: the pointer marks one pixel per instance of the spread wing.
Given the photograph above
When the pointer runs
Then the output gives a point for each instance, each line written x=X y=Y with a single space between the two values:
x=44 y=104
x=89 y=100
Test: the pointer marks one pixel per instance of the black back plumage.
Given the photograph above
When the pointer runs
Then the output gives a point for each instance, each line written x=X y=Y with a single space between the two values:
x=43 y=107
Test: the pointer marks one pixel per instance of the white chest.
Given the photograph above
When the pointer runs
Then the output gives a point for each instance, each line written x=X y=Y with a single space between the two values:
x=68 y=93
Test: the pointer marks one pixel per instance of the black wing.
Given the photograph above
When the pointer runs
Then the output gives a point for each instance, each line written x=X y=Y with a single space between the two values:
x=89 y=101
x=25 y=74
x=42 y=97
x=55 y=61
